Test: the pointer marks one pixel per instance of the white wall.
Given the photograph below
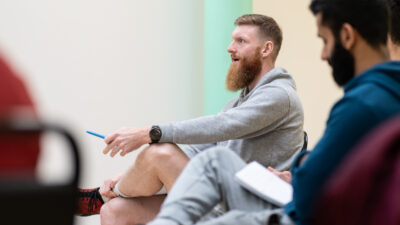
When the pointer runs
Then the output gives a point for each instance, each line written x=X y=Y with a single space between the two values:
x=100 y=65
x=300 y=55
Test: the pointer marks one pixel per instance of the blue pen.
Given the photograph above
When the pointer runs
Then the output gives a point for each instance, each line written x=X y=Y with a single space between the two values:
x=95 y=134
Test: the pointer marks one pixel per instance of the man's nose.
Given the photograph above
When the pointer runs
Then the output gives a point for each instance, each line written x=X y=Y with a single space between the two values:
x=231 y=49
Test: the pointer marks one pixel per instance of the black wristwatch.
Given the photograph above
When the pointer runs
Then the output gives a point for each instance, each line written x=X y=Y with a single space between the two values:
x=155 y=134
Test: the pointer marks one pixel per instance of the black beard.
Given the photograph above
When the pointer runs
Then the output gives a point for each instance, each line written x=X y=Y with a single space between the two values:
x=342 y=63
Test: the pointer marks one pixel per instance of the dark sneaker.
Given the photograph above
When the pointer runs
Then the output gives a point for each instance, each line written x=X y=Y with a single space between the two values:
x=89 y=202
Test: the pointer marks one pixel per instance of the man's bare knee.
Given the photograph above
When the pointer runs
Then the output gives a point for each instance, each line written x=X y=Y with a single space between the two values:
x=157 y=154
x=155 y=166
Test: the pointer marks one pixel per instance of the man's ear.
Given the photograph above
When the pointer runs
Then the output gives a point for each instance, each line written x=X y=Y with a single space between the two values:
x=267 y=49
x=393 y=49
x=348 y=36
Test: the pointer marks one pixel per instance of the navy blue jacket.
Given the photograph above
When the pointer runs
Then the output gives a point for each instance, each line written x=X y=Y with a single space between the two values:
x=368 y=100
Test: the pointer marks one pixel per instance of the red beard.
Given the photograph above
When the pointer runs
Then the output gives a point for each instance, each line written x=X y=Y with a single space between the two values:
x=244 y=73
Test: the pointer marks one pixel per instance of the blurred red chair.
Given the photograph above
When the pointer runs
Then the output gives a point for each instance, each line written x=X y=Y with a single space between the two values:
x=24 y=198
x=366 y=187
x=17 y=154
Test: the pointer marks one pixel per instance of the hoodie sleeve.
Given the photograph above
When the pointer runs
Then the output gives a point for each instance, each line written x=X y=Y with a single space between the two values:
x=263 y=110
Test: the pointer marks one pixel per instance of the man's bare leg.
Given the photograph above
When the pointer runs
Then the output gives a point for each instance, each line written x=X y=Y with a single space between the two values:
x=155 y=166
x=131 y=211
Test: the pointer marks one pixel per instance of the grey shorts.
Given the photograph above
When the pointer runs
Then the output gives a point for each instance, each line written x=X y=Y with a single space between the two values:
x=190 y=150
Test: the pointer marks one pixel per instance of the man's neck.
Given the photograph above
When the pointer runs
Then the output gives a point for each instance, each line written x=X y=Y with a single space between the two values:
x=264 y=70
x=368 y=57
x=394 y=49
x=395 y=53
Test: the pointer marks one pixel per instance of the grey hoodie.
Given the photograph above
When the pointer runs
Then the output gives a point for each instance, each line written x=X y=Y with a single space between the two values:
x=265 y=124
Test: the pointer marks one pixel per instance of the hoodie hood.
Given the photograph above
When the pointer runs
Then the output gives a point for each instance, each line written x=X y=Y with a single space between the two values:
x=275 y=74
x=386 y=75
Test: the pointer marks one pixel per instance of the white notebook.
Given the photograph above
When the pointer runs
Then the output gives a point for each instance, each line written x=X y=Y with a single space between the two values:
x=263 y=183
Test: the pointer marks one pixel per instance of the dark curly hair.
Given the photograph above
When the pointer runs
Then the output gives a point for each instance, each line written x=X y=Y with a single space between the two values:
x=368 y=17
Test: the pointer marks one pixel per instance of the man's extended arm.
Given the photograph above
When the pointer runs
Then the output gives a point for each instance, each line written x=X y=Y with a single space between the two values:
x=258 y=115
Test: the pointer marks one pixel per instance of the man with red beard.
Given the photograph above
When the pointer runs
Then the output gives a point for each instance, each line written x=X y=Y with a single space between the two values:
x=265 y=123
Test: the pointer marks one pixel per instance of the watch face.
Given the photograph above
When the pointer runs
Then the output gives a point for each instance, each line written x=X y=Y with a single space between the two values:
x=155 y=134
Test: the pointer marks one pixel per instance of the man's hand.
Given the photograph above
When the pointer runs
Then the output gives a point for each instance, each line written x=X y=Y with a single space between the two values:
x=126 y=140
x=285 y=175
x=106 y=189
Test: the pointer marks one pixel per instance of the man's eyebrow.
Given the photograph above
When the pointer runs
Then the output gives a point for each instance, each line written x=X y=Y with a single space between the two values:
x=243 y=36
x=239 y=37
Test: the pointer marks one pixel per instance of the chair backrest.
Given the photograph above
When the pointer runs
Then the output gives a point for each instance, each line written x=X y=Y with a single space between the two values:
x=305 y=142
x=27 y=201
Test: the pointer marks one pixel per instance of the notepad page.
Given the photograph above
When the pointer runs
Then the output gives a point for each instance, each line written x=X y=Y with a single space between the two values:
x=259 y=180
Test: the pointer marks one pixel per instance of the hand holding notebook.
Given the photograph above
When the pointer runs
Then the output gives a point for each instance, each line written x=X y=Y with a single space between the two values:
x=263 y=183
